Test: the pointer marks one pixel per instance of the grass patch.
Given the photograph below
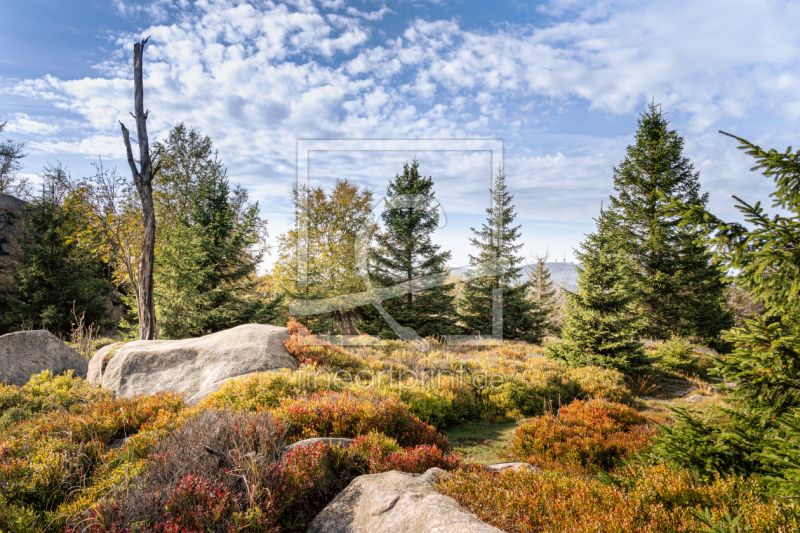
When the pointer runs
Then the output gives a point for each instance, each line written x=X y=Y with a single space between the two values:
x=482 y=442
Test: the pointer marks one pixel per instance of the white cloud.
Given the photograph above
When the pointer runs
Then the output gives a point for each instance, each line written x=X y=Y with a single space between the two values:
x=258 y=76
x=22 y=123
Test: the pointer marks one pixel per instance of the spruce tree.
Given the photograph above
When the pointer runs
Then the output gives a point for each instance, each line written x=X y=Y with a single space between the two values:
x=404 y=253
x=543 y=297
x=205 y=280
x=56 y=281
x=495 y=269
x=757 y=433
x=600 y=330
x=677 y=289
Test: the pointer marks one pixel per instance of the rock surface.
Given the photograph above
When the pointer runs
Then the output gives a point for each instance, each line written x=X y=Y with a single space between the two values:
x=332 y=441
x=25 y=353
x=514 y=467
x=695 y=398
x=195 y=367
x=395 y=501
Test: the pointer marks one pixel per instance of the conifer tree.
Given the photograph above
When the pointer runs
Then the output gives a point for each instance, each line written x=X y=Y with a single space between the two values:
x=56 y=281
x=404 y=253
x=677 y=289
x=208 y=245
x=495 y=269
x=543 y=296
x=757 y=434
x=600 y=330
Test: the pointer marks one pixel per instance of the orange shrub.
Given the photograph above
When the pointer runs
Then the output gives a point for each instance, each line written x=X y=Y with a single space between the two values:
x=596 y=433
x=310 y=350
x=349 y=414
x=552 y=502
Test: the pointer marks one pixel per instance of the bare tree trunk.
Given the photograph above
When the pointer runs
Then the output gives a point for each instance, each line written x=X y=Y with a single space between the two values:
x=143 y=179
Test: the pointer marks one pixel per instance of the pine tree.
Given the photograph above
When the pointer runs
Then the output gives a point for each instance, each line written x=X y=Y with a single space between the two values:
x=495 y=269
x=543 y=296
x=600 y=330
x=56 y=281
x=757 y=434
x=404 y=253
x=205 y=277
x=678 y=291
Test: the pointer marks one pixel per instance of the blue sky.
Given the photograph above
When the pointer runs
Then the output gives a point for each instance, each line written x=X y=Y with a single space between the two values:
x=560 y=83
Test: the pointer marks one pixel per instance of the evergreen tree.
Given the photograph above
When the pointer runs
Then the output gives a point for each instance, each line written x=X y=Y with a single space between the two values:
x=405 y=253
x=543 y=296
x=56 y=281
x=495 y=269
x=205 y=275
x=758 y=433
x=600 y=329
x=677 y=289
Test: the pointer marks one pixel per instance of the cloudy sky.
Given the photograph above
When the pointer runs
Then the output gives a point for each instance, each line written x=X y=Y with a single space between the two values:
x=551 y=90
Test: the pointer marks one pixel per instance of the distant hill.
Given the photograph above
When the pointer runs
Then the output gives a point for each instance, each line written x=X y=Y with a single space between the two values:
x=563 y=274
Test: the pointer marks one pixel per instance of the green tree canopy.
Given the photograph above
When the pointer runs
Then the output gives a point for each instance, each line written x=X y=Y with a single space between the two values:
x=677 y=290
x=600 y=329
x=758 y=434
x=495 y=270
x=404 y=253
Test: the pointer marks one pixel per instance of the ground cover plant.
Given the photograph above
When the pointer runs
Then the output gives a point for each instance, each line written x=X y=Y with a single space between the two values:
x=75 y=459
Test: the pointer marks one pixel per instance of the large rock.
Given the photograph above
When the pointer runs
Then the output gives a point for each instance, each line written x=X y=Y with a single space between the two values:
x=395 y=501
x=25 y=353
x=195 y=367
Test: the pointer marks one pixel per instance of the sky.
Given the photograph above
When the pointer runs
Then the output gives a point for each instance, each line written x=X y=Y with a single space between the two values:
x=549 y=90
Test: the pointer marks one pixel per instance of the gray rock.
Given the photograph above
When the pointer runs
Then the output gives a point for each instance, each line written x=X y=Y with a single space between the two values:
x=395 y=501
x=516 y=467
x=25 y=353
x=695 y=398
x=333 y=441
x=98 y=362
x=194 y=367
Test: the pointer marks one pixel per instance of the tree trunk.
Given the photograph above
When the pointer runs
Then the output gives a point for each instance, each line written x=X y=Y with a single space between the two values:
x=143 y=179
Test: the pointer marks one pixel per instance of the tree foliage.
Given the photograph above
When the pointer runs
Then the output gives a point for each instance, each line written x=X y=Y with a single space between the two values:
x=11 y=155
x=495 y=271
x=677 y=289
x=544 y=295
x=757 y=434
x=208 y=246
x=317 y=259
x=600 y=329
x=403 y=253
x=56 y=280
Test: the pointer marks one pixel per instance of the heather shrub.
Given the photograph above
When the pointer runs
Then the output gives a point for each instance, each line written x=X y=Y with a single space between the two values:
x=311 y=350
x=601 y=384
x=349 y=414
x=45 y=392
x=60 y=455
x=593 y=433
x=379 y=453
x=265 y=389
x=641 y=500
x=440 y=401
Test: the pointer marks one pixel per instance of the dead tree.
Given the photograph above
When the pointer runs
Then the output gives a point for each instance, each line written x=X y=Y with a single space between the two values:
x=143 y=179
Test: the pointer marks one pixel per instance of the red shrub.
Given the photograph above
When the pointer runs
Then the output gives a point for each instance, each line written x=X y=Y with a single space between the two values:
x=198 y=503
x=583 y=433
x=350 y=414
x=381 y=454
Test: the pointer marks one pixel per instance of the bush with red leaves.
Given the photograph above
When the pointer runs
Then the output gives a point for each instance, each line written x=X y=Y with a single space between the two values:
x=350 y=414
x=596 y=432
